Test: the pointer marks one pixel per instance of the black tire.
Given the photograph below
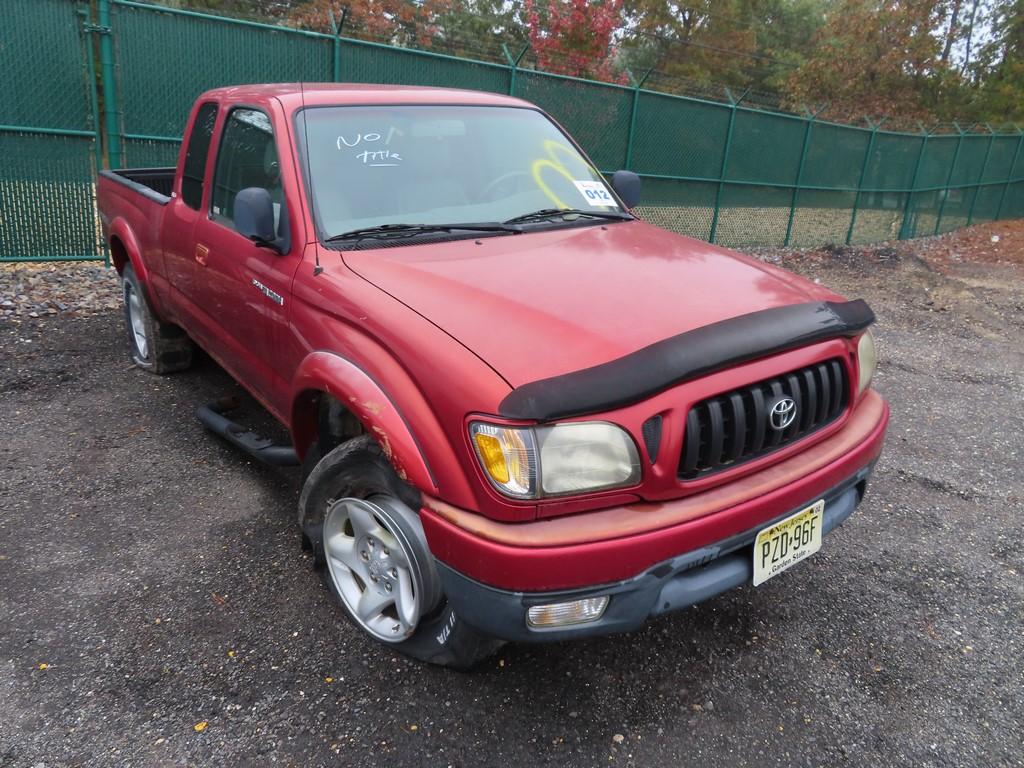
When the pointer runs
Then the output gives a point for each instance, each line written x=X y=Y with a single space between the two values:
x=164 y=348
x=359 y=469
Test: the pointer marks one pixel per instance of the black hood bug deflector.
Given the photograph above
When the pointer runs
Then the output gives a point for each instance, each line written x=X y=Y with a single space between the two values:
x=686 y=356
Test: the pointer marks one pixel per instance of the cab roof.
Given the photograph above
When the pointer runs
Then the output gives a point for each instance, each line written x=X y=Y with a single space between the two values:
x=294 y=95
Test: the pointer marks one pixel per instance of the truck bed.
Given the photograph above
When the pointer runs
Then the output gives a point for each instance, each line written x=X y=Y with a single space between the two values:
x=154 y=183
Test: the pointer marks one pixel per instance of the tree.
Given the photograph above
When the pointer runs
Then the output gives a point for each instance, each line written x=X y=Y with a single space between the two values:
x=259 y=10
x=999 y=68
x=784 y=32
x=876 y=57
x=574 y=37
x=395 y=22
x=468 y=28
x=477 y=29
x=707 y=44
x=706 y=41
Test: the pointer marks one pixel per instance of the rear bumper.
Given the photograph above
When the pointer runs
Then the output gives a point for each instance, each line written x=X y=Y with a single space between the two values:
x=671 y=585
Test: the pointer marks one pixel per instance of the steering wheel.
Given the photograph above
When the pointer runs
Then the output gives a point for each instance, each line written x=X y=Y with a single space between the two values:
x=501 y=180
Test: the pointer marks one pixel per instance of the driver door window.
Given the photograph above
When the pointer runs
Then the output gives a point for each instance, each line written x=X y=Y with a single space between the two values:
x=247 y=158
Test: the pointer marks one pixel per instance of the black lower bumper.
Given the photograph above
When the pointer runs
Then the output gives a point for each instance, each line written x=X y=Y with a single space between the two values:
x=668 y=586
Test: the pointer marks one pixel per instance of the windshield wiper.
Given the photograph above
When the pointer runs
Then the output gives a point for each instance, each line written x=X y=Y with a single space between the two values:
x=550 y=213
x=386 y=231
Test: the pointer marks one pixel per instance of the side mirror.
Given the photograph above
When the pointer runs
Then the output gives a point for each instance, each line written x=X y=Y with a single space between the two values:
x=627 y=186
x=254 y=218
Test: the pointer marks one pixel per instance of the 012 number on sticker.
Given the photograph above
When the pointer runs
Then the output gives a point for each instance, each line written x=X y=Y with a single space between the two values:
x=594 y=192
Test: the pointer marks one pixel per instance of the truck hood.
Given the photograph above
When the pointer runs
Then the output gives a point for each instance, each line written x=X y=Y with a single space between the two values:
x=541 y=304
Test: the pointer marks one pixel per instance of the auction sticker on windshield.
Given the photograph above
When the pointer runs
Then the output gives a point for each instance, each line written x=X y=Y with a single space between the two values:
x=594 y=192
x=787 y=542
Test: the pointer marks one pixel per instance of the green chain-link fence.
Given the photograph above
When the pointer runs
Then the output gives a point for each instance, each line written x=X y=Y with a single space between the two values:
x=118 y=87
x=48 y=134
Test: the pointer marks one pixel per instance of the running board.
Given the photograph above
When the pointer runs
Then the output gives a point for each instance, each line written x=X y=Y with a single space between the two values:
x=257 y=446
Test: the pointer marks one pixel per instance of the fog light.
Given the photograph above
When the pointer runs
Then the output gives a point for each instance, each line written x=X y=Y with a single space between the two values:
x=565 y=614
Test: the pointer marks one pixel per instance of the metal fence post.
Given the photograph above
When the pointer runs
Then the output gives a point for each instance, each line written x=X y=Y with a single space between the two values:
x=733 y=106
x=800 y=173
x=513 y=63
x=1009 y=173
x=949 y=176
x=110 y=120
x=981 y=176
x=637 y=86
x=863 y=174
x=904 y=229
x=336 y=28
x=88 y=28
x=90 y=71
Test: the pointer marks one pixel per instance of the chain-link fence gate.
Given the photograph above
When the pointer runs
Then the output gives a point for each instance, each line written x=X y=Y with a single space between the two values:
x=49 y=138
x=118 y=88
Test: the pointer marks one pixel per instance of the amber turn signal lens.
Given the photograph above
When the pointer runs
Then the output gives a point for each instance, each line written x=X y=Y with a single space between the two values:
x=493 y=457
x=507 y=455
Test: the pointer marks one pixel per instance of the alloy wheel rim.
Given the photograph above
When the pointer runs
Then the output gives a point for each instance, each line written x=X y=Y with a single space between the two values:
x=135 y=323
x=371 y=569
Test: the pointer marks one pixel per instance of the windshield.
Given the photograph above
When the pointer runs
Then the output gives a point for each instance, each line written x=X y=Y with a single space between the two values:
x=382 y=165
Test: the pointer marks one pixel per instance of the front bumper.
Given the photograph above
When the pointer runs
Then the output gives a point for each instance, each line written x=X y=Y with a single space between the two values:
x=671 y=585
x=618 y=543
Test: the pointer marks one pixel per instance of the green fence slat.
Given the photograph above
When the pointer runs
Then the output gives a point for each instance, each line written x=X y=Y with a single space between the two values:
x=48 y=133
x=799 y=178
x=1013 y=164
x=949 y=178
x=905 y=226
x=860 y=179
x=721 y=173
x=981 y=176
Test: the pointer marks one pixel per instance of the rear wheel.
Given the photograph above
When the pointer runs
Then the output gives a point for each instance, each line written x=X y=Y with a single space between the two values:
x=154 y=346
x=362 y=523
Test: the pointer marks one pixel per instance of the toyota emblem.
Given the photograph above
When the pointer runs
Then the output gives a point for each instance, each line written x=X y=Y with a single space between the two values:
x=782 y=413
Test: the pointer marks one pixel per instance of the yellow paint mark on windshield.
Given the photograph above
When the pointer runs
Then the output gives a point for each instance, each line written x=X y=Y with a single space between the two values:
x=553 y=162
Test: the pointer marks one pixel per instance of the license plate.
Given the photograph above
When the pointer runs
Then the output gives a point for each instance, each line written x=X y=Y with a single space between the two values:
x=787 y=542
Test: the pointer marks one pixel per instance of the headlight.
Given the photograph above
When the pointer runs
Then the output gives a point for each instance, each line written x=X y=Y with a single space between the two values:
x=867 y=360
x=531 y=462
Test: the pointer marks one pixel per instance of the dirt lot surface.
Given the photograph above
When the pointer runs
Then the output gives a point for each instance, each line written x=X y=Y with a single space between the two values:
x=156 y=609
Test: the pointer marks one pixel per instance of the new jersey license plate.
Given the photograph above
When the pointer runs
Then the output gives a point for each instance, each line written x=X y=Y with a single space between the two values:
x=787 y=542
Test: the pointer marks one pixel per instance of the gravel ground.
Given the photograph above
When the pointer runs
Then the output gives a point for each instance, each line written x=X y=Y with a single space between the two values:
x=156 y=608
x=28 y=291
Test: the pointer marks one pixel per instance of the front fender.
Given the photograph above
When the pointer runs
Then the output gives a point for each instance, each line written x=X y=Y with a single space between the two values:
x=351 y=386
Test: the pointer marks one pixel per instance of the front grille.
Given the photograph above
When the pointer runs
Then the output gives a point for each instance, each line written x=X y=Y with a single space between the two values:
x=734 y=427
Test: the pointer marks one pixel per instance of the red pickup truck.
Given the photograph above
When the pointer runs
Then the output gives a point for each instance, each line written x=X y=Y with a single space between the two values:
x=522 y=413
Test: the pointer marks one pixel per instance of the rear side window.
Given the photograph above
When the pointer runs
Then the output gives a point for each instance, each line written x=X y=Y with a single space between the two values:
x=195 y=156
x=247 y=158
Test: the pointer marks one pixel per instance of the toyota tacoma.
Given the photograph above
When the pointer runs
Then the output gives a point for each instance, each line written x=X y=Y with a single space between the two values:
x=522 y=414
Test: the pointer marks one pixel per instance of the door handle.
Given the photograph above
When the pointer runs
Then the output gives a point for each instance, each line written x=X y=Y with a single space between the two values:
x=202 y=253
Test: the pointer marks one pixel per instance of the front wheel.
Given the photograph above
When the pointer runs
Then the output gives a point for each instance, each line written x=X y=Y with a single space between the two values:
x=363 y=525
